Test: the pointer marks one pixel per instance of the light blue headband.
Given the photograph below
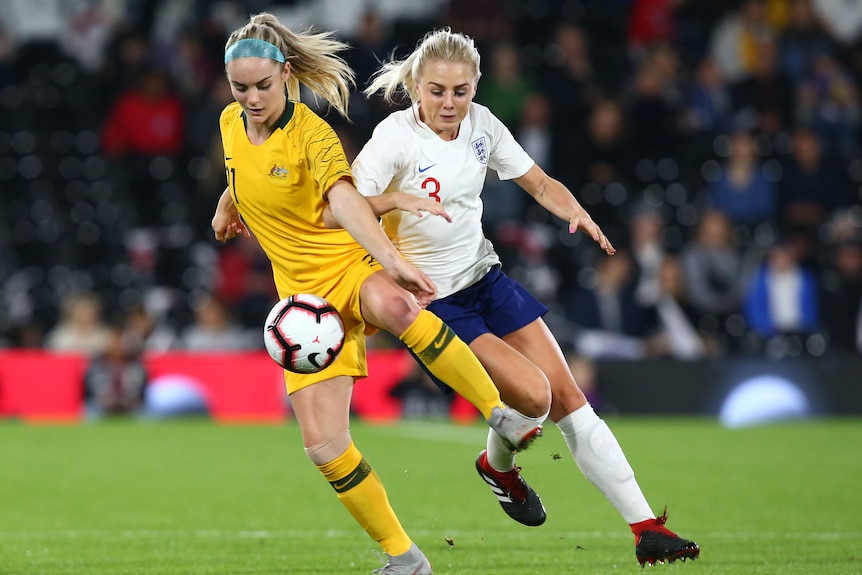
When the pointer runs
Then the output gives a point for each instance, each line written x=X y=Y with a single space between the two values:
x=253 y=48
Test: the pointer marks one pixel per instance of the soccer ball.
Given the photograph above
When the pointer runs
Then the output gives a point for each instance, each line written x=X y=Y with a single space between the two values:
x=303 y=333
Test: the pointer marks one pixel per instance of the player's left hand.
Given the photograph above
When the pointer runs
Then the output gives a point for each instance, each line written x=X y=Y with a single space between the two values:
x=586 y=224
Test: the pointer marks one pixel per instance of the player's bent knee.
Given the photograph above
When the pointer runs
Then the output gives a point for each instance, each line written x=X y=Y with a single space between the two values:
x=388 y=306
x=529 y=395
x=327 y=451
x=532 y=403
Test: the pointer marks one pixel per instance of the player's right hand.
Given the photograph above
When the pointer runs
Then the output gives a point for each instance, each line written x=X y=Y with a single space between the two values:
x=416 y=282
x=416 y=206
x=228 y=226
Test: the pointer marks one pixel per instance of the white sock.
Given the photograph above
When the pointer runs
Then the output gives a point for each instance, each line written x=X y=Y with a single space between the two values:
x=499 y=456
x=602 y=461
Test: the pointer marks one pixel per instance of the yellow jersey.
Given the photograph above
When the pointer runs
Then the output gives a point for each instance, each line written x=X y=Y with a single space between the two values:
x=279 y=188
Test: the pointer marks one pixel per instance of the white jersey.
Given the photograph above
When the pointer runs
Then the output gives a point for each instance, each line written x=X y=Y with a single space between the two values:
x=405 y=155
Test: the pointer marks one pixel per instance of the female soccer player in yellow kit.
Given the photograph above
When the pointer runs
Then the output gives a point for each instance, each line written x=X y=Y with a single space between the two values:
x=284 y=165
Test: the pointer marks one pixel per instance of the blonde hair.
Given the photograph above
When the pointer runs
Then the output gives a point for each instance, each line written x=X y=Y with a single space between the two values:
x=312 y=56
x=440 y=45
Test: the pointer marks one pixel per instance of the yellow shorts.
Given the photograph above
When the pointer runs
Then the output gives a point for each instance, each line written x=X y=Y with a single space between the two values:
x=343 y=293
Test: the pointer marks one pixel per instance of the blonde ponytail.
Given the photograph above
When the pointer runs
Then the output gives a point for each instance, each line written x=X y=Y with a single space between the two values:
x=401 y=75
x=312 y=56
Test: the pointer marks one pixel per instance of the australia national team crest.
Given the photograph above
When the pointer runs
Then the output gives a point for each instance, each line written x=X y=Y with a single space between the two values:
x=278 y=172
x=480 y=148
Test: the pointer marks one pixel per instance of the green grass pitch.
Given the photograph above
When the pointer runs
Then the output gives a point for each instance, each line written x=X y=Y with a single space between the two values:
x=194 y=497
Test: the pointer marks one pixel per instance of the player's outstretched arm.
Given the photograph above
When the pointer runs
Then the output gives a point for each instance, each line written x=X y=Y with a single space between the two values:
x=386 y=203
x=407 y=203
x=557 y=199
x=352 y=212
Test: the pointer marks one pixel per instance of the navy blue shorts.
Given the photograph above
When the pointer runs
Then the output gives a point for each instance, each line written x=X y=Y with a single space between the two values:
x=495 y=304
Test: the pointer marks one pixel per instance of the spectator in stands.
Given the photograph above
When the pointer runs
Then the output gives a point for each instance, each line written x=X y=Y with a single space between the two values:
x=505 y=88
x=606 y=159
x=146 y=120
x=840 y=283
x=143 y=123
x=608 y=155
x=781 y=295
x=765 y=97
x=569 y=83
x=676 y=334
x=802 y=40
x=711 y=266
x=735 y=38
x=610 y=323
x=652 y=113
x=651 y=22
x=214 y=328
x=371 y=43
x=812 y=187
x=829 y=104
x=707 y=107
x=126 y=58
x=148 y=331
x=705 y=111
x=695 y=22
x=191 y=64
x=842 y=19
x=116 y=379
x=81 y=328
x=743 y=192
x=648 y=253
x=535 y=128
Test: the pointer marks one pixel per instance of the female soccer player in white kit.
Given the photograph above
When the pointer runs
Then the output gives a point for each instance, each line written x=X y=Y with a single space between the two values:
x=430 y=160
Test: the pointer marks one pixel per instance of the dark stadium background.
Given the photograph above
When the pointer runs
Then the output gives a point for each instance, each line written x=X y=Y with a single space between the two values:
x=110 y=167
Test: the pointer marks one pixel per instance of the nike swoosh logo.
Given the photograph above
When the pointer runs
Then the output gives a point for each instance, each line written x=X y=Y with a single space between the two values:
x=226 y=158
x=423 y=170
x=346 y=481
x=442 y=338
x=433 y=351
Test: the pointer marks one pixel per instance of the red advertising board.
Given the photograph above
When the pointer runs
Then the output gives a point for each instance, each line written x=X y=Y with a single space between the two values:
x=236 y=387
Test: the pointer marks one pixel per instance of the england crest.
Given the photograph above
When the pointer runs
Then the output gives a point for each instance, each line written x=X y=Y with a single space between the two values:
x=480 y=149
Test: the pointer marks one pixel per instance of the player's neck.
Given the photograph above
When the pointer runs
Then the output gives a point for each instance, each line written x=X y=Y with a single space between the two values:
x=259 y=133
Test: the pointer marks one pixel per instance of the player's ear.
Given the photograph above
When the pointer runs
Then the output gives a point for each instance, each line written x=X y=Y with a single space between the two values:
x=285 y=73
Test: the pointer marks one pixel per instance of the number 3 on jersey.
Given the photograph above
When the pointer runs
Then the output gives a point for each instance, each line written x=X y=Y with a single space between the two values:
x=435 y=186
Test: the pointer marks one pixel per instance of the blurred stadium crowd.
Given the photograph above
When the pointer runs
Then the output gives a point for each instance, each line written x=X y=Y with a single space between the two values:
x=716 y=142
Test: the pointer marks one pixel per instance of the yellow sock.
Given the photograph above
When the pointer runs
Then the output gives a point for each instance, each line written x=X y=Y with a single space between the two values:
x=360 y=490
x=450 y=359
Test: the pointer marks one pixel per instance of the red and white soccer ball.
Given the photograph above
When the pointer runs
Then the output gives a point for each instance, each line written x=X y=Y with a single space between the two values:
x=303 y=333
